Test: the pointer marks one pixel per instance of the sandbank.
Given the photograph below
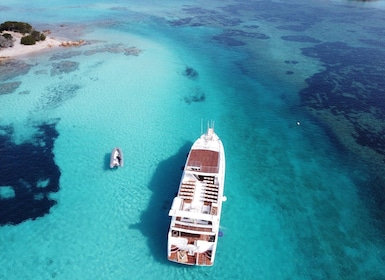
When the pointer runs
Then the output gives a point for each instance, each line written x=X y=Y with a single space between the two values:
x=19 y=50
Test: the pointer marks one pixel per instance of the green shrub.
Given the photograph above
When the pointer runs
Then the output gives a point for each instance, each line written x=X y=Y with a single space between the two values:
x=35 y=34
x=21 y=27
x=28 y=40
x=6 y=40
x=7 y=36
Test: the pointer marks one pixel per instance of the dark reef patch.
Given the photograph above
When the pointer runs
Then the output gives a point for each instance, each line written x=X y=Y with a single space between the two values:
x=65 y=55
x=28 y=175
x=227 y=37
x=198 y=11
x=352 y=86
x=41 y=72
x=291 y=62
x=290 y=13
x=373 y=42
x=201 y=16
x=251 y=26
x=366 y=137
x=228 y=41
x=338 y=53
x=190 y=73
x=181 y=22
x=197 y=96
x=6 y=88
x=298 y=28
x=64 y=67
x=376 y=31
x=10 y=69
x=241 y=33
x=301 y=39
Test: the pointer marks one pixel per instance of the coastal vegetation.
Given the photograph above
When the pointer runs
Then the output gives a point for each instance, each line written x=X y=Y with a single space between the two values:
x=16 y=26
x=6 y=40
x=30 y=35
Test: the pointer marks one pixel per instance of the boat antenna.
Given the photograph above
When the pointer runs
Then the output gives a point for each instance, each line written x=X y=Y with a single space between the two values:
x=201 y=126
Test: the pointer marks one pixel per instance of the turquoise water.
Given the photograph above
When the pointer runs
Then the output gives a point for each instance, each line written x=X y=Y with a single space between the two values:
x=302 y=202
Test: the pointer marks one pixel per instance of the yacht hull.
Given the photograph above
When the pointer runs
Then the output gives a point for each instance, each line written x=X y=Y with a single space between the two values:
x=196 y=210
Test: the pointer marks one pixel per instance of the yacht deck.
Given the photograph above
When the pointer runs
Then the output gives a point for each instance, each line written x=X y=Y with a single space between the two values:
x=203 y=161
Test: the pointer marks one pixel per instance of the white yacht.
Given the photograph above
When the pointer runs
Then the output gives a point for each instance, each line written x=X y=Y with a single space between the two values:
x=196 y=210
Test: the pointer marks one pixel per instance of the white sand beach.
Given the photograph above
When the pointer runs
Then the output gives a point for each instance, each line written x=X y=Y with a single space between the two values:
x=18 y=49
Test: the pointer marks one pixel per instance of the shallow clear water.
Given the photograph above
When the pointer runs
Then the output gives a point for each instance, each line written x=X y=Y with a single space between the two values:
x=303 y=201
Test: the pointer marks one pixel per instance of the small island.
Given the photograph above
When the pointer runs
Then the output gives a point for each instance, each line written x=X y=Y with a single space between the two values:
x=20 y=38
x=30 y=37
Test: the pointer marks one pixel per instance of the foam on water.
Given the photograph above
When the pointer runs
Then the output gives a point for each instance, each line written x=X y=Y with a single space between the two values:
x=295 y=207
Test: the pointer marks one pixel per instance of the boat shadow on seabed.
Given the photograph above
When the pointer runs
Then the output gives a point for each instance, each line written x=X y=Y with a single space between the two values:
x=106 y=161
x=164 y=184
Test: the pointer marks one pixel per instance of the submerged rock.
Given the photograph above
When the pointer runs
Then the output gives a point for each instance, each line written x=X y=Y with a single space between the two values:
x=190 y=72
x=64 y=67
x=10 y=69
x=6 y=88
x=197 y=96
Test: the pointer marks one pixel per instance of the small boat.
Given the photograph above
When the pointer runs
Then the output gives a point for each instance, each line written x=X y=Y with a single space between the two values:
x=196 y=210
x=116 y=158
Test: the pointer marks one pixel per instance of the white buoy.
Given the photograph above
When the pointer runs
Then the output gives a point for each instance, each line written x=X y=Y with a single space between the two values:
x=298 y=123
x=224 y=198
